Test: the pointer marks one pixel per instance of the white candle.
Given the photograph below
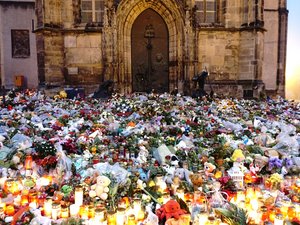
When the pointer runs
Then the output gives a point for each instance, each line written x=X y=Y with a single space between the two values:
x=74 y=209
x=202 y=218
x=278 y=219
x=48 y=207
x=56 y=211
x=78 y=196
x=121 y=216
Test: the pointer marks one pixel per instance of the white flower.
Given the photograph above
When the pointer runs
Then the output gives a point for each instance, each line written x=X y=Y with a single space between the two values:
x=15 y=159
x=140 y=184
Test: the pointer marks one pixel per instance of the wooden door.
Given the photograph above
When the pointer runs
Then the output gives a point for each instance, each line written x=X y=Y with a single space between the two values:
x=150 y=53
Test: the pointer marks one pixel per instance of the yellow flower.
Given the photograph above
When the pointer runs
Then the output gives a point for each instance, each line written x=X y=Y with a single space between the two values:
x=93 y=150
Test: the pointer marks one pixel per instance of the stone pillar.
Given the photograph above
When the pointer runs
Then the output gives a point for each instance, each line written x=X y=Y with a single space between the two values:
x=67 y=14
x=282 y=45
x=189 y=53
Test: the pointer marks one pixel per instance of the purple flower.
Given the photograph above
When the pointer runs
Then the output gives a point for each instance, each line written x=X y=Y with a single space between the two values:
x=275 y=162
x=288 y=163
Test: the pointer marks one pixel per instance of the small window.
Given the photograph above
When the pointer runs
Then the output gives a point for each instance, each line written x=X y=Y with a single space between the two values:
x=92 y=11
x=20 y=43
x=206 y=11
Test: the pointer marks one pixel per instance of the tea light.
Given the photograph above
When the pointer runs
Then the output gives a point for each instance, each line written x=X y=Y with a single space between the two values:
x=78 y=195
x=74 y=210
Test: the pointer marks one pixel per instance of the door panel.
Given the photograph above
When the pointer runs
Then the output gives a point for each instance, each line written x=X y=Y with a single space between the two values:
x=149 y=53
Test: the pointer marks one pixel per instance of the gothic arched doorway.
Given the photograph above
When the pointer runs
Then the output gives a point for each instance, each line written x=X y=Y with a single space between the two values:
x=150 y=53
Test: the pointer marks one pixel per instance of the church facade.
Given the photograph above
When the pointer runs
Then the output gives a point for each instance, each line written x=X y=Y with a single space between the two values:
x=145 y=45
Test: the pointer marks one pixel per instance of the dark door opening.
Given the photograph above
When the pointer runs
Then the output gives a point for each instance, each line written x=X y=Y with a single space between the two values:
x=150 y=53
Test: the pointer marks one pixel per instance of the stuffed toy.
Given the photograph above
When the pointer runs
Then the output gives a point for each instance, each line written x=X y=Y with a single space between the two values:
x=196 y=179
x=209 y=169
x=170 y=210
x=183 y=174
x=100 y=189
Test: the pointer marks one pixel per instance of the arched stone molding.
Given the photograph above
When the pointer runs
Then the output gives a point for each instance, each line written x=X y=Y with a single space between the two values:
x=126 y=14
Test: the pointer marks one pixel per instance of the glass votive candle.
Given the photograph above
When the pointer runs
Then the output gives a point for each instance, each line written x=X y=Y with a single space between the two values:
x=291 y=212
x=74 y=210
x=131 y=220
x=24 y=199
x=120 y=216
x=10 y=210
x=99 y=214
x=111 y=218
x=48 y=207
x=64 y=212
x=91 y=211
x=32 y=197
x=56 y=211
x=78 y=195
x=84 y=212
x=279 y=220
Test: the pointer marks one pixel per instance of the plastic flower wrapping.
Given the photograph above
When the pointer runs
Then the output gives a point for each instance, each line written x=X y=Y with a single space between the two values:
x=148 y=159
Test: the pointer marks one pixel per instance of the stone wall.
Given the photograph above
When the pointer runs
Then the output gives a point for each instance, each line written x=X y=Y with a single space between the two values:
x=83 y=59
x=219 y=53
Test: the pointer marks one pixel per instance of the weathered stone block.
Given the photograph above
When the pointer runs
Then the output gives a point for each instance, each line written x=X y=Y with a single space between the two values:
x=70 y=41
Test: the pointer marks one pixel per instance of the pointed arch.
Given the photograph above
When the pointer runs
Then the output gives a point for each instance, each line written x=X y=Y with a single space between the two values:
x=126 y=14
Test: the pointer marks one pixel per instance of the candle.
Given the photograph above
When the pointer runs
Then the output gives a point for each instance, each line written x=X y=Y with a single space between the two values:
x=121 y=216
x=56 y=211
x=11 y=186
x=99 y=214
x=180 y=193
x=48 y=207
x=28 y=162
x=202 y=218
x=278 y=219
x=131 y=220
x=74 y=210
x=84 y=212
x=111 y=218
x=3 y=205
x=24 y=200
x=64 y=212
x=10 y=210
x=78 y=195
x=91 y=211
x=291 y=212
x=137 y=210
x=32 y=197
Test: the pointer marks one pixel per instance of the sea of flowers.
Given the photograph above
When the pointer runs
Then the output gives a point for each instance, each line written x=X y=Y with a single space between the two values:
x=148 y=159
